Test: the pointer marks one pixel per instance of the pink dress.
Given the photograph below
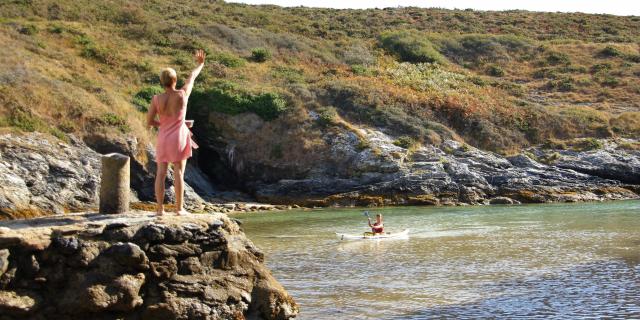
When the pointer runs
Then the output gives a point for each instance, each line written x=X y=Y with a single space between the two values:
x=174 y=137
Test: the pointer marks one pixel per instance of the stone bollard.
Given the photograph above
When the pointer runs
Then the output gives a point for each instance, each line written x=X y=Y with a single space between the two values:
x=114 y=185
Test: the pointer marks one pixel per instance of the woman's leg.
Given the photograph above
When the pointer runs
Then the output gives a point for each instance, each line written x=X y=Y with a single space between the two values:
x=161 y=175
x=178 y=177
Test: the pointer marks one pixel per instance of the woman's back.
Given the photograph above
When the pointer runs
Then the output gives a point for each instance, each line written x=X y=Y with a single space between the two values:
x=171 y=105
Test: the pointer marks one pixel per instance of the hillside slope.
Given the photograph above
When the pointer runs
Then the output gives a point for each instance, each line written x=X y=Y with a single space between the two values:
x=280 y=83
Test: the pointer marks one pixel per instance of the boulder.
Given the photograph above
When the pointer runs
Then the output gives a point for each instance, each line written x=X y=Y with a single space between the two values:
x=171 y=267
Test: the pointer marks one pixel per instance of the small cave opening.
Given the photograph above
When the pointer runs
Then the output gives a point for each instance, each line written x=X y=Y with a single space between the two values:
x=214 y=165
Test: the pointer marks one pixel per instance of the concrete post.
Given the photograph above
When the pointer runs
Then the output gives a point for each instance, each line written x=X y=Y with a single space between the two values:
x=114 y=185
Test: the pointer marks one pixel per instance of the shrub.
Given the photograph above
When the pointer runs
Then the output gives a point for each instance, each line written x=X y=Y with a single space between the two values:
x=260 y=54
x=404 y=142
x=600 y=67
x=547 y=73
x=610 y=81
x=114 y=120
x=610 y=51
x=25 y=121
x=409 y=47
x=267 y=105
x=56 y=28
x=563 y=84
x=29 y=30
x=360 y=70
x=226 y=97
x=142 y=99
x=587 y=144
x=556 y=58
x=358 y=54
x=479 y=48
x=425 y=76
x=290 y=75
x=495 y=71
x=228 y=59
x=91 y=50
x=327 y=116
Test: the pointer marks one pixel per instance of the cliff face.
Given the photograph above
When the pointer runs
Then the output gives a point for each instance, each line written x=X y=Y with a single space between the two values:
x=349 y=165
x=42 y=175
x=135 y=266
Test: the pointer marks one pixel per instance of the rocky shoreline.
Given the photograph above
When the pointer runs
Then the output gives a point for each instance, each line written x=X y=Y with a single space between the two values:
x=135 y=266
x=40 y=175
x=454 y=173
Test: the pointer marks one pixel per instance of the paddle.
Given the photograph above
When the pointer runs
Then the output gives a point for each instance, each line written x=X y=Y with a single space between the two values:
x=366 y=214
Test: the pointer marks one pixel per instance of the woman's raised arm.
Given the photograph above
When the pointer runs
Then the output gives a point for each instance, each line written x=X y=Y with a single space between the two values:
x=188 y=85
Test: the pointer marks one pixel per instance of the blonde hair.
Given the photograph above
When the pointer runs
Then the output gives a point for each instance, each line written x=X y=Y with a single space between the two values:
x=168 y=77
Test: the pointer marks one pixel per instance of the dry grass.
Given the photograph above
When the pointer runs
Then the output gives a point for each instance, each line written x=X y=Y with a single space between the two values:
x=77 y=70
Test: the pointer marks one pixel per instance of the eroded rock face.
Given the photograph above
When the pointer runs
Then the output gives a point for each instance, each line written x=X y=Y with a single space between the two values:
x=40 y=175
x=135 y=266
x=452 y=173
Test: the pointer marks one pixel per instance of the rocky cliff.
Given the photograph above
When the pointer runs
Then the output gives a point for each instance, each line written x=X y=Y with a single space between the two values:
x=349 y=165
x=42 y=175
x=135 y=266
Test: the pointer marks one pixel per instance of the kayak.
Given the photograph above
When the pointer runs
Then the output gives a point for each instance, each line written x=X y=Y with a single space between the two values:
x=371 y=236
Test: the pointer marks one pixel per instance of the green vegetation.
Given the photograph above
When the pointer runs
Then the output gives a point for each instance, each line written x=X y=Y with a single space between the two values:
x=405 y=142
x=142 y=99
x=228 y=59
x=260 y=54
x=327 y=116
x=500 y=81
x=410 y=46
x=227 y=97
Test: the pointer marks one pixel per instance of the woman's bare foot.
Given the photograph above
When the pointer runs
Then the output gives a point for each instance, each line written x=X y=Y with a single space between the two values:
x=183 y=212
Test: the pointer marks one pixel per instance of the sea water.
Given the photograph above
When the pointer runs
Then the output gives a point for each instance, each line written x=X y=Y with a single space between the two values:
x=526 y=261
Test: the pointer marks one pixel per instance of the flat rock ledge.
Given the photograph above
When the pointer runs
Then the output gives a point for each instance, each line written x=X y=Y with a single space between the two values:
x=135 y=266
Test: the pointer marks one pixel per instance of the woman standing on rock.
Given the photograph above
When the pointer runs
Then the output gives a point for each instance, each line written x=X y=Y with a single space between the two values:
x=174 y=137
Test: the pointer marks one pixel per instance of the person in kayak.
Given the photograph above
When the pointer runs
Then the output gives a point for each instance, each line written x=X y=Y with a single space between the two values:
x=378 y=226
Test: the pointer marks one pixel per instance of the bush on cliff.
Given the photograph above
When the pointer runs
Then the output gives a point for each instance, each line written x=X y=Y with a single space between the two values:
x=260 y=54
x=142 y=99
x=227 y=97
x=410 y=46
x=480 y=48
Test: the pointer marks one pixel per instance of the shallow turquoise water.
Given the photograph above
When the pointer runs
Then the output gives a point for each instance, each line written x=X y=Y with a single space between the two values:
x=532 y=261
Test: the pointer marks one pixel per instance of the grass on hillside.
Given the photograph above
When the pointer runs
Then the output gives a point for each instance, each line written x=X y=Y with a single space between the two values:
x=498 y=80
